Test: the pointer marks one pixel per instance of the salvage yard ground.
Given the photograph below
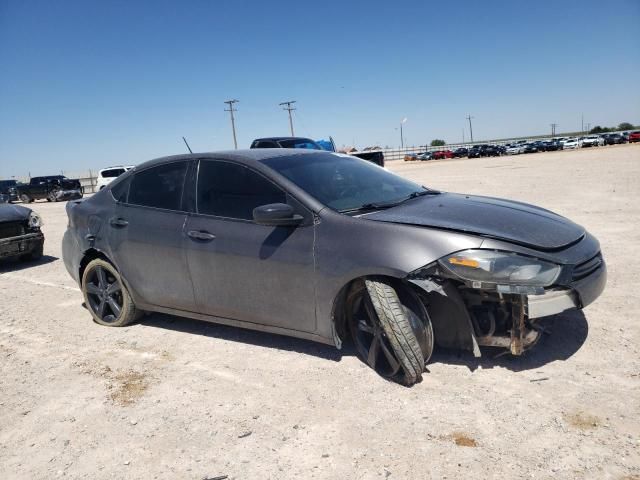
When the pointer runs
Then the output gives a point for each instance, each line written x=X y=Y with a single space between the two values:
x=181 y=399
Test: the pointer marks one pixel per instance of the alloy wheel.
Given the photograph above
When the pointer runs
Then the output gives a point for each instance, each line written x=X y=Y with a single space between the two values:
x=104 y=293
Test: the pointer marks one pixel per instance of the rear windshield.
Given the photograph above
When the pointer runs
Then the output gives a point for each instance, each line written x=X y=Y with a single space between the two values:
x=300 y=143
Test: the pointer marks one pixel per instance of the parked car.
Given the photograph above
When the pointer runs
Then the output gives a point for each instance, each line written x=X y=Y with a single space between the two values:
x=515 y=149
x=460 y=152
x=592 y=141
x=530 y=148
x=54 y=188
x=424 y=156
x=282 y=242
x=634 y=137
x=373 y=156
x=106 y=175
x=411 y=157
x=20 y=234
x=483 y=150
x=441 y=154
x=8 y=190
x=613 y=139
x=571 y=143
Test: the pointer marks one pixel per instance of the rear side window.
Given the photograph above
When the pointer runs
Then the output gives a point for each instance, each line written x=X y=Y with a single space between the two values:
x=230 y=190
x=159 y=187
x=112 y=173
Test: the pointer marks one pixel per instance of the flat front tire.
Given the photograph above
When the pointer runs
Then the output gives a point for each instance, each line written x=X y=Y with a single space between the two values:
x=106 y=295
x=390 y=328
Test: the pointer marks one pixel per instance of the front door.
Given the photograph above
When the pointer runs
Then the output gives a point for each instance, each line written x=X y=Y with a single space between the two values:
x=242 y=270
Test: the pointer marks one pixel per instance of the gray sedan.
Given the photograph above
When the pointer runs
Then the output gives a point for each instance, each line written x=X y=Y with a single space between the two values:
x=327 y=247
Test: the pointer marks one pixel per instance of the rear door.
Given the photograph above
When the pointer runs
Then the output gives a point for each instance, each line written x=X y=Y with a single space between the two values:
x=147 y=236
x=242 y=270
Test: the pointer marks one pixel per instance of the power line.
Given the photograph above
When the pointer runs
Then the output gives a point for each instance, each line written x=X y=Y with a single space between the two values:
x=469 y=117
x=289 y=108
x=233 y=122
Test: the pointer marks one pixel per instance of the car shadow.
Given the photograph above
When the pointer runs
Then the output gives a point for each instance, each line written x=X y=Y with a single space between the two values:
x=14 y=264
x=564 y=336
x=241 y=335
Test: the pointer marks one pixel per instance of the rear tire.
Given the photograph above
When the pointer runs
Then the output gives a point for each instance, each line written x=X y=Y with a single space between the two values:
x=24 y=198
x=106 y=295
x=396 y=337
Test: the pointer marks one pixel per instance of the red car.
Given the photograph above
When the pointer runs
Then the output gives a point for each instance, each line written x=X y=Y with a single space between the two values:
x=634 y=137
x=439 y=155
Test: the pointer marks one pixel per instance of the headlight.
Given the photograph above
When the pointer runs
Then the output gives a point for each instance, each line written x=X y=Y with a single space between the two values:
x=35 y=221
x=488 y=266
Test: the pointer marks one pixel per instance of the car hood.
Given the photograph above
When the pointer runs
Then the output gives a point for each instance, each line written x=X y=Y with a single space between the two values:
x=13 y=213
x=515 y=222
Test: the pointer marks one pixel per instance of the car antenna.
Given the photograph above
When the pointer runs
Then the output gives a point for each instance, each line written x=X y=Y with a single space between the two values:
x=187 y=144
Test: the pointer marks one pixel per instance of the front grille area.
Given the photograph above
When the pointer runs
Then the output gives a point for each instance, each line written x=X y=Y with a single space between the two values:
x=585 y=269
x=11 y=229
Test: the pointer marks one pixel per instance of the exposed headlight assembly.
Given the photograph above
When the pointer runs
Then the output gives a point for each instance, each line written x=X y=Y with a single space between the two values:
x=35 y=221
x=480 y=267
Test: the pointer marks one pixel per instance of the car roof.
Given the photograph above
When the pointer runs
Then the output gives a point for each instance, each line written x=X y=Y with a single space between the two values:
x=248 y=156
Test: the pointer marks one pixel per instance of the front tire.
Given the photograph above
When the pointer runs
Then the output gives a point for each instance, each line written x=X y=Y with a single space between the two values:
x=106 y=295
x=24 y=198
x=390 y=328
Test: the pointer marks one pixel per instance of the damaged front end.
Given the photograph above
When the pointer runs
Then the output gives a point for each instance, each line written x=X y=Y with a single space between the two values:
x=492 y=298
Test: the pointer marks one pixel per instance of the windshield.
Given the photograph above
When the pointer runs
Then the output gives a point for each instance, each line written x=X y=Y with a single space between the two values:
x=7 y=183
x=299 y=143
x=343 y=182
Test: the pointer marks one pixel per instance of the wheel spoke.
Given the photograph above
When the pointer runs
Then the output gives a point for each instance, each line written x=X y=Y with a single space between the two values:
x=365 y=327
x=391 y=358
x=371 y=311
x=102 y=278
x=373 y=352
x=93 y=289
x=115 y=308
x=100 y=309
x=113 y=288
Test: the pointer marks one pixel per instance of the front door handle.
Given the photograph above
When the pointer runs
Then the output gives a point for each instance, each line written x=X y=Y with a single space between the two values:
x=198 y=235
x=118 y=222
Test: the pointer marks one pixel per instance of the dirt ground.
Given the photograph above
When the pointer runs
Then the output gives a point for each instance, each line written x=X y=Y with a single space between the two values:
x=171 y=398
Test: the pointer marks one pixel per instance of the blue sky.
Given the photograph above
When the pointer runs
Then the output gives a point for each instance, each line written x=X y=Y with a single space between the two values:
x=90 y=84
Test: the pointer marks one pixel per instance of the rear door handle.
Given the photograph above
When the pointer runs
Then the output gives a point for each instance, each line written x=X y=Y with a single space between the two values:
x=198 y=235
x=118 y=222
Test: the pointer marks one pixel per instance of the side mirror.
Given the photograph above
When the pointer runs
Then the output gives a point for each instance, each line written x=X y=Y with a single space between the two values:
x=276 y=215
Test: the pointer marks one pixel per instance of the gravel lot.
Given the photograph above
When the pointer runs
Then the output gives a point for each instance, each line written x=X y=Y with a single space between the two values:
x=175 y=398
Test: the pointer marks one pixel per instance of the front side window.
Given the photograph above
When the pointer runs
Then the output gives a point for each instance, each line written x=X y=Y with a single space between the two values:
x=231 y=190
x=159 y=187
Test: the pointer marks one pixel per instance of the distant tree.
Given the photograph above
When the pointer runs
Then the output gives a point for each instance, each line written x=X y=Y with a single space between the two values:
x=625 y=126
x=438 y=143
x=598 y=129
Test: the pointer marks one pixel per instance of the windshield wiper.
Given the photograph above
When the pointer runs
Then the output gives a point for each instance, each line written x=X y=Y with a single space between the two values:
x=382 y=206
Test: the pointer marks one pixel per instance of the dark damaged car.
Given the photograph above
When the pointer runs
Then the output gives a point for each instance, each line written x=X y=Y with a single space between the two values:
x=327 y=247
x=53 y=188
x=20 y=234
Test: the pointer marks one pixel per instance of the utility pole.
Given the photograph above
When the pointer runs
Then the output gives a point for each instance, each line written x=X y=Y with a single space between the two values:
x=288 y=108
x=233 y=122
x=401 y=135
x=582 y=122
x=469 y=117
x=463 y=136
x=588 y=127
x=553 y=129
